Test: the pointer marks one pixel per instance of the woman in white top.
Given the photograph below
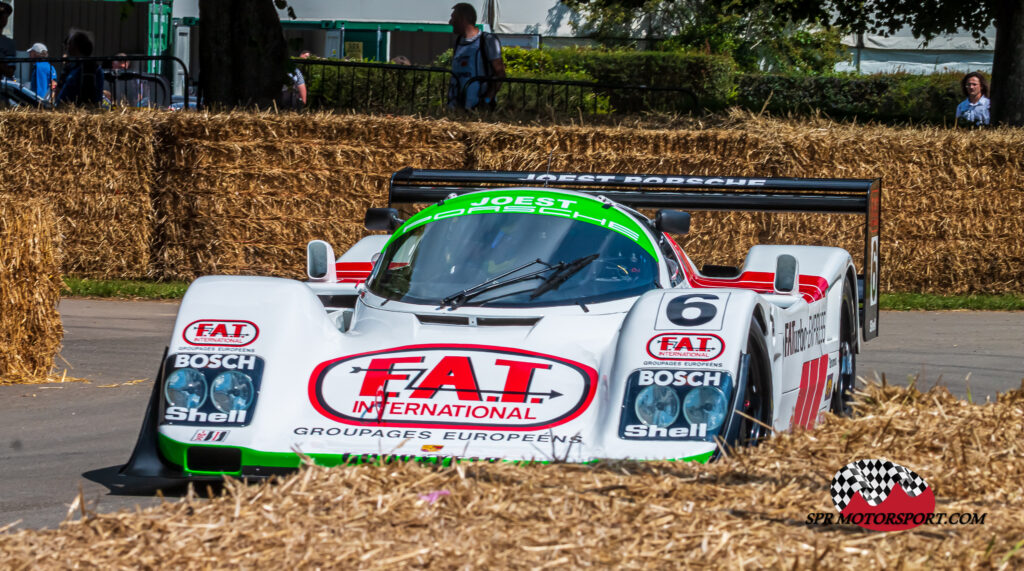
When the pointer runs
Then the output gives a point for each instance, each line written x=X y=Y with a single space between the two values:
x=974 y=109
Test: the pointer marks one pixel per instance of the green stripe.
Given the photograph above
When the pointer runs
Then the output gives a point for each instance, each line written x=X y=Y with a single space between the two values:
x=577 y=207
x=174 y=452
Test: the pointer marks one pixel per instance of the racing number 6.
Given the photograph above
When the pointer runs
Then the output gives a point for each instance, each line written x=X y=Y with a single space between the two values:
x=678 y=306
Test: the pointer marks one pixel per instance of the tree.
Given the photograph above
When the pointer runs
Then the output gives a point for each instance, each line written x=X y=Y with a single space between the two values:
x=926 y=20
x=757 y=39
x=243 y=57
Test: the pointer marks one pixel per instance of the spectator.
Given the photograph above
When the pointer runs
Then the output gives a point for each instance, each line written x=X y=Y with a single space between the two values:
x=82 y=81
x=974 y=109
x=123 y=90
x=475 y=54
x=401 y=60
x=305 y=54
x=44 y=77
x=7 y=47
x=293 y=94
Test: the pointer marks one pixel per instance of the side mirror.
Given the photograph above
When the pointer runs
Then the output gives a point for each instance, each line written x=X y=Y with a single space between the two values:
x=382 y=219
x=787 y=275
x=320 y=261
x=672 y=221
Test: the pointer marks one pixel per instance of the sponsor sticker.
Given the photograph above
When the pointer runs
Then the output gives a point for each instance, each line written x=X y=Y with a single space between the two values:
x=685 y=346
x=660 y=414
x=202 y=389
x=800 y=335
x=220 y=332
x=456 y=386
x=431 y=447
x=210 y=435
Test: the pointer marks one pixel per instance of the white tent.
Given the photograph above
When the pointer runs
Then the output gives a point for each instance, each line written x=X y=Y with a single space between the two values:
x=903 y=52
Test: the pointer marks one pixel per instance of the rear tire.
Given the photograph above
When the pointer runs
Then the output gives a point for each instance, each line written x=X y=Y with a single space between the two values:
x=842 y=392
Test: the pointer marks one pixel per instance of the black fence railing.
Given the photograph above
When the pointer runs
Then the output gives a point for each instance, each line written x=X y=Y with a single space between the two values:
x=120 y=87
x=527 y=95
x=374 y=87
x=392 y=88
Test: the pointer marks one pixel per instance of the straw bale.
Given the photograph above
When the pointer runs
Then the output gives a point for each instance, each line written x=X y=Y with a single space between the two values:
x=30 y=328
x=950 y=197
x=244 y=193
x=96 y=172
x=748 y=510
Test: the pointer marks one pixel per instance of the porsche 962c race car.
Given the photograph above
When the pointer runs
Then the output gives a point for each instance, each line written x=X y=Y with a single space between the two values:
x=520 y=316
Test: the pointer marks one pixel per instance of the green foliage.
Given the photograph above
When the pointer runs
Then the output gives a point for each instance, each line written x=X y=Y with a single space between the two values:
x=374 y=89
x=756 y=37
x=885 y=98
x=711 y=78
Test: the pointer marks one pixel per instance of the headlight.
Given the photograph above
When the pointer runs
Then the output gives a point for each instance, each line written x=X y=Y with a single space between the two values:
x=232 y=391
x=705 y=405
x=658 y=406
x=185 y=388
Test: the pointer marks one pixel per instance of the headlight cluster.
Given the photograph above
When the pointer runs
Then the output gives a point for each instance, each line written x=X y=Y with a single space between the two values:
x=229 y=391
x=675 y=404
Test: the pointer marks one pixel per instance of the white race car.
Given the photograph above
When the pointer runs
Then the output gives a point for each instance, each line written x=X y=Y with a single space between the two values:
x=510 y=320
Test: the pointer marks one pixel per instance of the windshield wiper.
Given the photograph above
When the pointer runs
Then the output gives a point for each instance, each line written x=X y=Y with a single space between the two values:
x=562 y=273
x=459 y=298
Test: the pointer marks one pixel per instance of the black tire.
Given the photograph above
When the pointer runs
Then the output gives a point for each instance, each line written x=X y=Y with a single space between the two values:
x=842 y=392
x=753 y=395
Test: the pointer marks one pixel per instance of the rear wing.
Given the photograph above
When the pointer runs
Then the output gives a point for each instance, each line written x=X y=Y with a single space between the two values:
x=819 y=195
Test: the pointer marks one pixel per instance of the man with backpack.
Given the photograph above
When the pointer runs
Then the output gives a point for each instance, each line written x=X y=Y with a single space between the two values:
x=477 y=67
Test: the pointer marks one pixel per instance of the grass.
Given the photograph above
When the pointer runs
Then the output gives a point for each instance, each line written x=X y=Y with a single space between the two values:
x=132 y=289
x=926 y=301
x=123 y=289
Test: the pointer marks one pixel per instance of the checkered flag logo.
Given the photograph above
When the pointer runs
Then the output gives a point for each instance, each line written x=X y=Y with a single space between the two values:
x=874 y=479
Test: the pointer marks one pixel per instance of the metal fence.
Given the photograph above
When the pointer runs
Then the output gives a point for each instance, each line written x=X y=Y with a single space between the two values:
x=392 y=88
x=124 y=87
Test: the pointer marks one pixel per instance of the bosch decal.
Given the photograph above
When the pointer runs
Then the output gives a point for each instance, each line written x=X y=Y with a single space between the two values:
x=211 y=389
x=220 y=332
x=674 y=404
x=800 y=337
x=459 y=386
x=685 y=346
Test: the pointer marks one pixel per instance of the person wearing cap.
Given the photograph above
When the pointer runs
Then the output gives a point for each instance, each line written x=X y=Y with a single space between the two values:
x=44 y=77
x=7 y=47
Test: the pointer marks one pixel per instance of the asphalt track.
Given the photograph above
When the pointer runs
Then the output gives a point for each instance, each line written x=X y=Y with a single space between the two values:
x=57 y=438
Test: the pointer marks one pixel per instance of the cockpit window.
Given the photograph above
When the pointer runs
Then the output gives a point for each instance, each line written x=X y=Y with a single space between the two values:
x=437 y=260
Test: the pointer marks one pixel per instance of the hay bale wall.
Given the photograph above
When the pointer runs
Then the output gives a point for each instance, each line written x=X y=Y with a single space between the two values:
x=175 y=196
x=244 y=193
x=96 y=173
x=747 y=511
x=30 y=328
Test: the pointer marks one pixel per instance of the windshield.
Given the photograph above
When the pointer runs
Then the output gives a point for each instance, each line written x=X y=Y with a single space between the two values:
x=437 y=260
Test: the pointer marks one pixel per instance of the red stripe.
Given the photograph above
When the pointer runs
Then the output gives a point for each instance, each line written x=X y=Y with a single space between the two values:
x=812 y=387
x=353 y=272
x=801 y=398
x=811 y=287
x=819 y=392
